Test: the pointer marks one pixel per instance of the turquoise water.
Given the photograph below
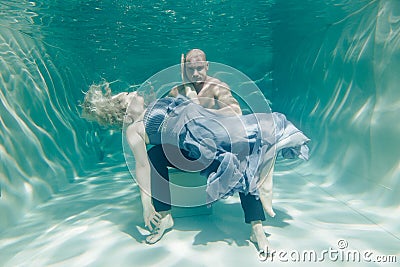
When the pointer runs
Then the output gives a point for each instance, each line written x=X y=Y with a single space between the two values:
x=67 y=197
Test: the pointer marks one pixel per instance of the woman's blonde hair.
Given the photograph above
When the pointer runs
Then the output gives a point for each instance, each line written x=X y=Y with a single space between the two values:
x=99 y=105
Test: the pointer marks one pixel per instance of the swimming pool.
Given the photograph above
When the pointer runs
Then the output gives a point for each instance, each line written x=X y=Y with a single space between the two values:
x=67 y=197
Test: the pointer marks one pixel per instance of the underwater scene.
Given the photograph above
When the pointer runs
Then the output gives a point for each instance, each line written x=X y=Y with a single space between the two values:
x=68 y=193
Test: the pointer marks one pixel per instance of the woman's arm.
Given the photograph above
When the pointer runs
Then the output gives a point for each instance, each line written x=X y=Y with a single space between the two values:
x=137 y=144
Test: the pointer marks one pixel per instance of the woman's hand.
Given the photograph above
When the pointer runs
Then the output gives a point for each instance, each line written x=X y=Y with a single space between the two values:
x=151 y=216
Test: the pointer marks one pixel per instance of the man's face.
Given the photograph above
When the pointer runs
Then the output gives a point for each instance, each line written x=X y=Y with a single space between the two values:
x=196 y=70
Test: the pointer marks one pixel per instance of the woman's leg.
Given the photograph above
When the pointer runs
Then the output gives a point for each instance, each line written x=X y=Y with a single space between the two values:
x=266 y=184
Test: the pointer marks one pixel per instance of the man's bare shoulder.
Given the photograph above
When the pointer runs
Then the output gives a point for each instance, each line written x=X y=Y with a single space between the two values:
x=217 y=83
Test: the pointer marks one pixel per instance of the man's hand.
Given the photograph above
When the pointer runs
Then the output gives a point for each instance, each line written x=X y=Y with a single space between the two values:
x=191 y=94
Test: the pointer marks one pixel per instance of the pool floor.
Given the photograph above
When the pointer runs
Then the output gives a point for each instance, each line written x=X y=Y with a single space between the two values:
x=97 y=221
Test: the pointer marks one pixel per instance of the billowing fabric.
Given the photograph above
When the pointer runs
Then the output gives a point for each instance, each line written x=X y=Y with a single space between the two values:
x=240 y=145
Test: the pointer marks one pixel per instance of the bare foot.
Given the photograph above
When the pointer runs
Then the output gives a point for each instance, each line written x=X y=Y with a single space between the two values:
x=258 y=236
x=165 y=224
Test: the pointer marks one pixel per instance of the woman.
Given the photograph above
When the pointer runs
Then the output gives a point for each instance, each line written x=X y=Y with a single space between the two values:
x=243 y=147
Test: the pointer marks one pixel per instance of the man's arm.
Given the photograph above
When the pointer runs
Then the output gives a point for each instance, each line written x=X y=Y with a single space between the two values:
x=227 y=103
x=185 y=90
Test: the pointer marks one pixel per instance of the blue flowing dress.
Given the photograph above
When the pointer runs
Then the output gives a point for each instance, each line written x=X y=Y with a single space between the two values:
x=240 y=145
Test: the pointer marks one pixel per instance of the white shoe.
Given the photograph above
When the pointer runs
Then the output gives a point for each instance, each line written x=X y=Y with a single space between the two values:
x=165 y=224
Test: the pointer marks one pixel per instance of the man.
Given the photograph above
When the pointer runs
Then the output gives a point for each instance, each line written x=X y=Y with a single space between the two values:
x=213 y=94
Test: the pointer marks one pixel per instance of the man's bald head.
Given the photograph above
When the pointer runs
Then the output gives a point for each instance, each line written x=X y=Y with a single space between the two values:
x=195 y=54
